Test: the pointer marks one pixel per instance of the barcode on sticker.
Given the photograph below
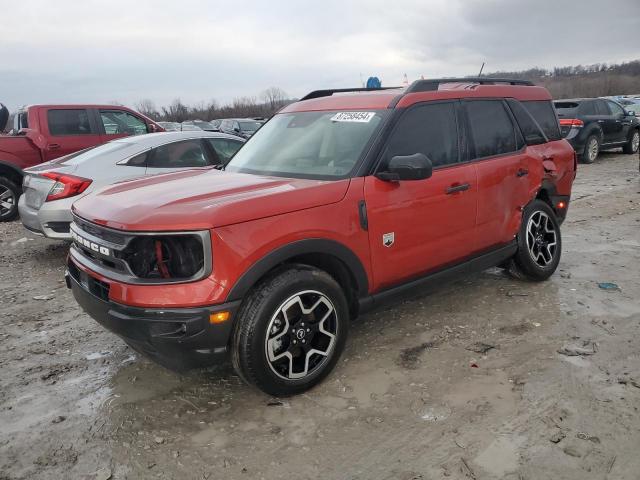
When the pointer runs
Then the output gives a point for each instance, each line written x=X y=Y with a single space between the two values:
x=364 y=117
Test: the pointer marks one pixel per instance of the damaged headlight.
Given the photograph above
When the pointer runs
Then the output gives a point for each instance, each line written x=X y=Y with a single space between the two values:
x=168 y=257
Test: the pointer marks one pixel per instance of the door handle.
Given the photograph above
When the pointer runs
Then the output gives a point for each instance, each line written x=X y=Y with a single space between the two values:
x=600 y=121
x=53 y=146
x=523 y=171
x=457 y=188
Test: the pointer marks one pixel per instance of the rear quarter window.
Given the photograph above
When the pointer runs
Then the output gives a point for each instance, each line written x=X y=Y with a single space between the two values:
x=545 y=115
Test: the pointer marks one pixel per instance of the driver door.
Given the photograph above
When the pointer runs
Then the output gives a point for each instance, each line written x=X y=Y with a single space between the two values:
x=418 y=226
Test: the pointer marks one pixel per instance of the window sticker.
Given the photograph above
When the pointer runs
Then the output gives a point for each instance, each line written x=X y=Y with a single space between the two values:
x=361 y=117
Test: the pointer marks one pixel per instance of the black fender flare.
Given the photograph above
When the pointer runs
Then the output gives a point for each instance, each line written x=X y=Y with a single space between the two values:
x=301 y=247
x=15 y=170
x=594 y=128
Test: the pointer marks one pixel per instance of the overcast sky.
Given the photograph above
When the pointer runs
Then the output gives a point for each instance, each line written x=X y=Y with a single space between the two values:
x=101 y=51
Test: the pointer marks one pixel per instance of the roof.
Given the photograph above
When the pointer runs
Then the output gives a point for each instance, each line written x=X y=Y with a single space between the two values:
x=419 y=91
x=154 y=139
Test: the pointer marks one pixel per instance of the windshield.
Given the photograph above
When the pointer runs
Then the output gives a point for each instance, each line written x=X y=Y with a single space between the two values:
x=308 y=144
x=249 y=126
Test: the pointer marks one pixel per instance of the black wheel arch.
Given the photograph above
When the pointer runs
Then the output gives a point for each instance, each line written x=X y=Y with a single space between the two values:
x=331 y=256
x=11 y=172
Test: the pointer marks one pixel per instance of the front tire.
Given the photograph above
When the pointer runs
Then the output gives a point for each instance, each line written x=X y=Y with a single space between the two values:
x=9 y=194
x=539 y=243
x=290 y=331
x=591 y=149
x=632 y=145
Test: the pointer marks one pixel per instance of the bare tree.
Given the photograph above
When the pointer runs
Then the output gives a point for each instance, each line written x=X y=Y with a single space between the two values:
x=148 y=107
x=274 y=98
x=176 y=112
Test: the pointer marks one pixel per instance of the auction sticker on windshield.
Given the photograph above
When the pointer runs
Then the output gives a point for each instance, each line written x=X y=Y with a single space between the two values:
x=364 y=117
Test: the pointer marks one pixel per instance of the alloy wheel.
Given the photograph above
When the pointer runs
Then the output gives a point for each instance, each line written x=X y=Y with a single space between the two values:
x=301 y=335
x=7 y=201
x=593 y=149
x=542 y=239
x=635 y=142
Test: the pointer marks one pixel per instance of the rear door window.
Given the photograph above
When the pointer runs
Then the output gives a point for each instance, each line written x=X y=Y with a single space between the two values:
x=430 y=129
x=492 y=131
x=587 y=108
x=69 y=122
x=601 y=108
x=184 y=154
x=545 y=115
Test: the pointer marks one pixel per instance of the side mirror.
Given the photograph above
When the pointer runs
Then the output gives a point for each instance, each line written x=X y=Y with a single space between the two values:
x=407 y=167
x=631 y=113
x=152 y=128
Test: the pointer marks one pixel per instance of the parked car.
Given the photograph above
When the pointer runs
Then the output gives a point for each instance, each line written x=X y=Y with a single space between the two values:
x=52 y=187
x=189 y=127
x=170 y=126
x=202 y=125
x=44 y=132
x=595 y=124
x=632 y=105
x=242 y=127
x=337 y=204
x=216 y=124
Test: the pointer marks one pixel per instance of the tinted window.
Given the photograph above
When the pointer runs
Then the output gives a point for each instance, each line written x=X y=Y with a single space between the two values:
x=185 y=154
x=529 y=127
x=69 y=122
x=545 y=115
x=224 y=148
x=601 y=108
x=587 y=108
x=138 y=160
x=119 y=122
x=250 y=126
x=491 y=128
x=429 y=129
x=615 y=108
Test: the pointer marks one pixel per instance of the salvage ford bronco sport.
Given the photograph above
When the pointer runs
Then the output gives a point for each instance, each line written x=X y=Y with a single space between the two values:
x=340 y=201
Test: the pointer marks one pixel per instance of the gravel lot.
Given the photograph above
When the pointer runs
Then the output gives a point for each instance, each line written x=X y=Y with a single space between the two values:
x=409 y=400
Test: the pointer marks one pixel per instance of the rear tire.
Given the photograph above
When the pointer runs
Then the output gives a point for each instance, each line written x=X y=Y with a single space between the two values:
x=290 y=331
x=9 y=194
x=632 y=145
x=539 y=243
x=591 y=149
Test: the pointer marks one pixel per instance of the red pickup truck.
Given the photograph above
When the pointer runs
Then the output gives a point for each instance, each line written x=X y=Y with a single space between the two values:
x=44 y=132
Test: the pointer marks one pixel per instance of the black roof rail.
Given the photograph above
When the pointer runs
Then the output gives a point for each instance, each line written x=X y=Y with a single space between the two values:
x=432 y=84
x=329 y=92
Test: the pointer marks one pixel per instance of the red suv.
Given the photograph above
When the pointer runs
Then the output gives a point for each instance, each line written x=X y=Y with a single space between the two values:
x=341 y=201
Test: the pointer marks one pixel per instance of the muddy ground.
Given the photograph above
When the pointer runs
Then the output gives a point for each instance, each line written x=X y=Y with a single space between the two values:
x=408 y=400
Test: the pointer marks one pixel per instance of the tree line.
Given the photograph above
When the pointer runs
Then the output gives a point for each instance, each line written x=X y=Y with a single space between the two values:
x=265 y=105
x=596 y=80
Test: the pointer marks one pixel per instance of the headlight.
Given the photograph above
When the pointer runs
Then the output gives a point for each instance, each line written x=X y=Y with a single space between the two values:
x=170 y=257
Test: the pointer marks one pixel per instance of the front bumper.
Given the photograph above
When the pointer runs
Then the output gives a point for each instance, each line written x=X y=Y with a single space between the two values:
x=176 y=338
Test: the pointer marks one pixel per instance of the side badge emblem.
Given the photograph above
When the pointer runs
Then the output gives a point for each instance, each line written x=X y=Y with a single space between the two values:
x=388 y=239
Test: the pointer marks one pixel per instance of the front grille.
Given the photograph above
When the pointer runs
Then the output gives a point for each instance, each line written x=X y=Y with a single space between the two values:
x=100 y=232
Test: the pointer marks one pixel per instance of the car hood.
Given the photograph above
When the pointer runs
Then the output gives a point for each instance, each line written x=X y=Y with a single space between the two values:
x=202 y=199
